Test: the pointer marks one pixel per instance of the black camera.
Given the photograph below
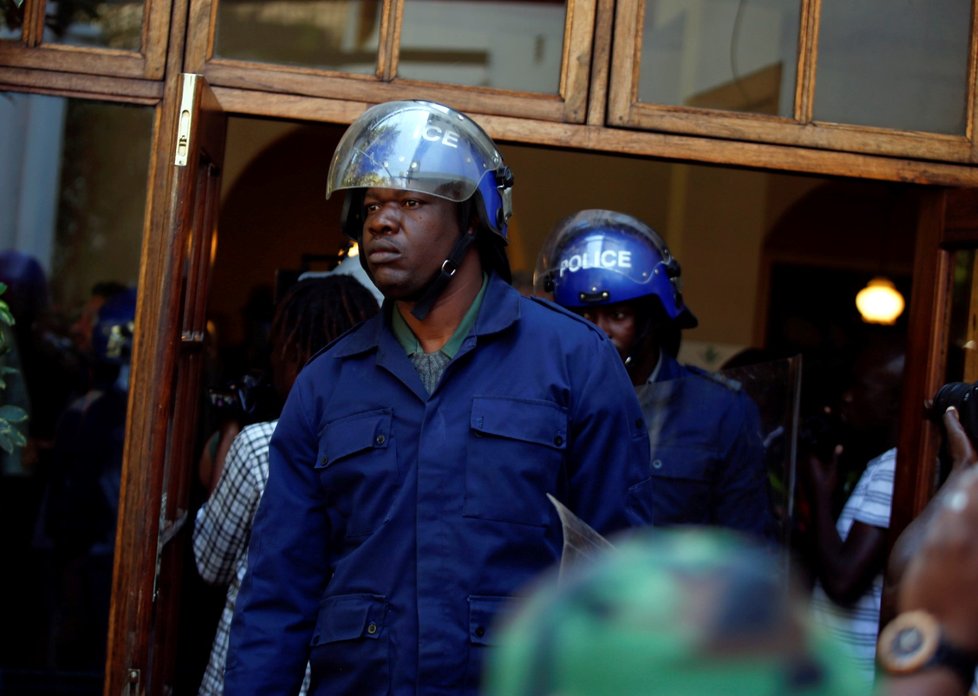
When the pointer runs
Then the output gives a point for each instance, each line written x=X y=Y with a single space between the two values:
x=964 y=397
x=250 y=397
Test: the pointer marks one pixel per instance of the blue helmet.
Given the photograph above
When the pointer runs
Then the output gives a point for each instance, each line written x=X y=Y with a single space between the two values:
x=426 y=147
x=113 y=330
x=601 y=257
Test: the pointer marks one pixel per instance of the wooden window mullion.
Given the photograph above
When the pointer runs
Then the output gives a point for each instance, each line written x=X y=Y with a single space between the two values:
x=389 y=49
x=807 y=59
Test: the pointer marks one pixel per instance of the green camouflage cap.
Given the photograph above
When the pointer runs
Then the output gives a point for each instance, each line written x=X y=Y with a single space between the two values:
x=665 y=613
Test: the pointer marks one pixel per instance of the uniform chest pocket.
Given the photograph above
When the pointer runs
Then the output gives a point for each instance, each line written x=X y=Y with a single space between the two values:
x=357 y=466
x=682 y=486
x=515 y=455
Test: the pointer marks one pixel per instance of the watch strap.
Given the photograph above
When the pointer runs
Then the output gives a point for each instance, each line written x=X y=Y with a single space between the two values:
x=955 y=659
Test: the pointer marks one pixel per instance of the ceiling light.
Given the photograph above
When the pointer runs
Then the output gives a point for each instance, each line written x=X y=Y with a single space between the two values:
x=879 y=302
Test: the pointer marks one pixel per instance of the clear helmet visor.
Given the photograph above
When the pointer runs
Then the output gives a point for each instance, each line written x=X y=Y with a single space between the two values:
x=413 y=146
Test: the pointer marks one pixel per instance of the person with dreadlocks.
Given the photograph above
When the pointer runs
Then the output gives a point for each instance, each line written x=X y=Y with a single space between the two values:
x=311 y=314
x=407 y=496
x=704 y=430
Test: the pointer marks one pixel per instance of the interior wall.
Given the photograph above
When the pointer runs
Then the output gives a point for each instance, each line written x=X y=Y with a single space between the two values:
x=551 y=184
x=274 y=217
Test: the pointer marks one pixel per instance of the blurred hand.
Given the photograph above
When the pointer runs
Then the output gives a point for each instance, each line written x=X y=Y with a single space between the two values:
x=941 y=575
x=959 y=445
x=823 y=474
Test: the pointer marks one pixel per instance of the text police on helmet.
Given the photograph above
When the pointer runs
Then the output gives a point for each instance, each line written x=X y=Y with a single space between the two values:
x=601 y=257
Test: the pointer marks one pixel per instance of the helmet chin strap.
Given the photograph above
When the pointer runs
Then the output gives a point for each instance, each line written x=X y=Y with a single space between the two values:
x=433 y=290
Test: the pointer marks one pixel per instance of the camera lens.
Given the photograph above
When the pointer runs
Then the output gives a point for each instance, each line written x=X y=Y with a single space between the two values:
x=952 y=394
x=961 y=395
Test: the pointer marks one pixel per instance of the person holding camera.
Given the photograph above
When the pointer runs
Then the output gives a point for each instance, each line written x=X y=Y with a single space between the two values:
x=930 y=647
x=311 y=314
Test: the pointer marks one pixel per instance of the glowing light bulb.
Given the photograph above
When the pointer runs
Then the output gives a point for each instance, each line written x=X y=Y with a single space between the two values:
x=879 y=302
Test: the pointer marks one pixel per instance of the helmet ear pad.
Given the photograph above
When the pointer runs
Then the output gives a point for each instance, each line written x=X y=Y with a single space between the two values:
x=490 y=242
x=494 y=200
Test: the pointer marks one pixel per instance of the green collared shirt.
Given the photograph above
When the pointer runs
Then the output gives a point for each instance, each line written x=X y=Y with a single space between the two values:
x=431 y=366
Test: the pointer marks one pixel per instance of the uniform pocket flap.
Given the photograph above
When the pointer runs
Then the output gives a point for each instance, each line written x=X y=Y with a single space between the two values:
x=528 y=420
x=483 y=617
x=356 y=433
x=349 y=617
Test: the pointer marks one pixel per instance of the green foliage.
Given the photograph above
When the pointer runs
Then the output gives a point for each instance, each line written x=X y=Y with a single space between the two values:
x=10 y=435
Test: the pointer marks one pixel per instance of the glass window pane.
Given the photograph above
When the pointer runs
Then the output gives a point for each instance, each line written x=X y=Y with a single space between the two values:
x=11 y=19
x=330 y=34
x=720 y=54
x=508 y=45
x=902 y=67
x=962 y=358
x=112 y=24
x=72 y=200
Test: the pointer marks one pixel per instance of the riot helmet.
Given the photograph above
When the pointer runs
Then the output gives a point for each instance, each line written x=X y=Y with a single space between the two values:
x=426 y=147
x=113 y=331
x=602 y=257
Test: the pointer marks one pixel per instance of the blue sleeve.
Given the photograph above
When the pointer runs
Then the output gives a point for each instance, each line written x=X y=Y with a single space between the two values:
x=609 y=453
x=287 y=564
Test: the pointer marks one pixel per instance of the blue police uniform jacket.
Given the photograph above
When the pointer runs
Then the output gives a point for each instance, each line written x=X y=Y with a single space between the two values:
x=396 y=525
x=707 y=458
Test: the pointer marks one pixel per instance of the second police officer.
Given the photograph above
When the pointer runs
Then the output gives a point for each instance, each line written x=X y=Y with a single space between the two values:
x=406 y=499
x=707 y=455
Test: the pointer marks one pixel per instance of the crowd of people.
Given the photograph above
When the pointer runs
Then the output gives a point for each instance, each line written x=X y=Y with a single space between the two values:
x=385 y=527
x=403 y=542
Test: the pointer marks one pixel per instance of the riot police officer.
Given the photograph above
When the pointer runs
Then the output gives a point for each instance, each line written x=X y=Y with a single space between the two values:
x=707 y=454
x=406 y=500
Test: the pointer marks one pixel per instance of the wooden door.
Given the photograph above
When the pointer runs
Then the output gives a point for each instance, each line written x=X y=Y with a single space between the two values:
x=160 y=446
x=947 y=238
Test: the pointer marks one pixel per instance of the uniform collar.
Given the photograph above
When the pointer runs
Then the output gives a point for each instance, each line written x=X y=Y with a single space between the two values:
x=667 y=368
x=499 y=309
x=412 y=345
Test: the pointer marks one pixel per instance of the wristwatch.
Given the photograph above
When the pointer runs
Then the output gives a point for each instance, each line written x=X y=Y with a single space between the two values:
x=913 y=641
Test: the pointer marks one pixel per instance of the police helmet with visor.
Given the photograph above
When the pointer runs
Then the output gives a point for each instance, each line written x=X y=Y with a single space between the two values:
x=426 y=147
x=602 y=257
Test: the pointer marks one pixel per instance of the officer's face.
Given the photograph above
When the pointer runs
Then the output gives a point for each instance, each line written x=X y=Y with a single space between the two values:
x=618 y=321
x=406 y=237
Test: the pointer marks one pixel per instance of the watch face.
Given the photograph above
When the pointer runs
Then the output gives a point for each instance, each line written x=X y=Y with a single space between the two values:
x=908 y=642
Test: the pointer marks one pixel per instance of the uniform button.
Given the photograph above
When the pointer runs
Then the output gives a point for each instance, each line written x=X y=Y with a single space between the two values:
x=558 y=440
x=371 y=628
x=380 y=439
x=657 y=464
x=480 y=631
x=325 y=460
